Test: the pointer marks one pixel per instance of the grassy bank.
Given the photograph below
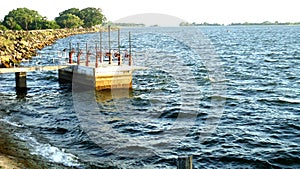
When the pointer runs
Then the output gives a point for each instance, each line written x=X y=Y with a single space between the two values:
x=18 y=45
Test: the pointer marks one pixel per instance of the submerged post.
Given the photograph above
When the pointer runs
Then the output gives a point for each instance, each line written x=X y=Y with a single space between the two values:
x=20 y=78
x=21 y=84
x=185 y=162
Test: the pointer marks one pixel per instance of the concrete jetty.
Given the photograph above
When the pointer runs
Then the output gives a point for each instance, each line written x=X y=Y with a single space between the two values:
x=102 y=70
x=103 y=77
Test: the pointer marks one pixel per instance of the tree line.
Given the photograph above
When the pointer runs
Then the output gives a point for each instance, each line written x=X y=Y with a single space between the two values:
x=27 y=19
x=238 y=24
x=199 y=24
x=266 y=23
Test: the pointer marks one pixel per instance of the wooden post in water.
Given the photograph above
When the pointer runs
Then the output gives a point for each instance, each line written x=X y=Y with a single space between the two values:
x=21 y=84
x=185 y=162
x=20 y=78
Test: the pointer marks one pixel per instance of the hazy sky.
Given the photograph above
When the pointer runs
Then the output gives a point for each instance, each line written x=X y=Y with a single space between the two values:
x=220 y=11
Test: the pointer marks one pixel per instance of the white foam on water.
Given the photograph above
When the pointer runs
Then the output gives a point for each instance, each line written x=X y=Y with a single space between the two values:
x=294 y=101
x=54 y=154
x=48 y=151
x=7 y=120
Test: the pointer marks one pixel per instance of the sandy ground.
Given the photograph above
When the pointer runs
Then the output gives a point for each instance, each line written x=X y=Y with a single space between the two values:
x=7 y=162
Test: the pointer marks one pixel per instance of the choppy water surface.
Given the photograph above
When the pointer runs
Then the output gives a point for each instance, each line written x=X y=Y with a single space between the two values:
x=229 y=96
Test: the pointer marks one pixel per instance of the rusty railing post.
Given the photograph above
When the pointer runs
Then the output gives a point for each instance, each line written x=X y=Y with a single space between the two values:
x=87 y=55
x=97 y=53
x=78 y=54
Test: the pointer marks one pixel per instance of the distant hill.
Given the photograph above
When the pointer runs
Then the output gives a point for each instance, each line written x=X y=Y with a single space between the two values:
x=151 y=19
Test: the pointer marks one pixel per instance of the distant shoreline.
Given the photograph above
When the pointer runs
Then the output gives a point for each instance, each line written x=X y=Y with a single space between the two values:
x=266 y=23
x=141 y=25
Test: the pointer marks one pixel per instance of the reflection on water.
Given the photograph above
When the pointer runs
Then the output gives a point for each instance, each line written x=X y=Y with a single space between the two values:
x=108 y=95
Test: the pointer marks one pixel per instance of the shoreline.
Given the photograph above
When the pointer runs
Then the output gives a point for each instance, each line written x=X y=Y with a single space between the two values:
x=14 y=47
x=18 y=45
x=14 y=153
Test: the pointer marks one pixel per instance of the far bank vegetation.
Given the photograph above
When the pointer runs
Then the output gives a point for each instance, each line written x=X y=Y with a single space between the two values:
x=27 y=19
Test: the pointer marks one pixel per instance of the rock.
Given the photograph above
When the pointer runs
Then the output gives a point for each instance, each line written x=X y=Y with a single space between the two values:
x=23 y=44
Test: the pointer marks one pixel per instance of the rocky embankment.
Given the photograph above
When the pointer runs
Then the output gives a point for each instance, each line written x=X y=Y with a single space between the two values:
x=18 y=45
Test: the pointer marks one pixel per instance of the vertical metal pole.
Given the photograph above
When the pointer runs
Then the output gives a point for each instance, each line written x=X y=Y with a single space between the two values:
x=109 y=39
x=70 y=53
x=78 y=54
x=97 y=53
x=87 y=56
x=130 y=57
x=70 y=57
x=109 y=50
x=129 y=43
x=119 y=50
x=119 y=40
x=101 y=59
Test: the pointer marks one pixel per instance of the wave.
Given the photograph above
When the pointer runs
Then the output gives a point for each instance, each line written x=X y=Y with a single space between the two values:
x=280 y=100
x=293 y=101
x=48 y=151
x=15 y=124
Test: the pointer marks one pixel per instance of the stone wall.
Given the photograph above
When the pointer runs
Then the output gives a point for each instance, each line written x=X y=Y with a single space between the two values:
x=16 y=45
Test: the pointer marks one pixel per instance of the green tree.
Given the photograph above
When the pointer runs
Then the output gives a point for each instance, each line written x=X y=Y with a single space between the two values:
x=74 y=11
x=22 y=18
x=69 y=21
x=10 y=23
x=91 y=16
x=45 y=24
x=2 y=27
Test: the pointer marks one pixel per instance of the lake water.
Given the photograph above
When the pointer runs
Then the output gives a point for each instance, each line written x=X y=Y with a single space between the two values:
x=229 y=96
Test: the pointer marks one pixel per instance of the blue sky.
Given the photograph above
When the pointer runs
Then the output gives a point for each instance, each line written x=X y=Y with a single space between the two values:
x=220 y=11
